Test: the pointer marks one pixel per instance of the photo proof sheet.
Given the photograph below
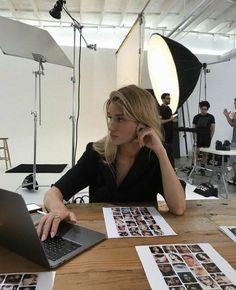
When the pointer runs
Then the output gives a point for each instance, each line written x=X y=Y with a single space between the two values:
x=230 y=231
x=186 y=267
x=135 y=222
x=29 y=281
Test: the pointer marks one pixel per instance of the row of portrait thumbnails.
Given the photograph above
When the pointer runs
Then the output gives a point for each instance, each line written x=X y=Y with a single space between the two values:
x=189 y=267
x=18 y=282
x=135 y=222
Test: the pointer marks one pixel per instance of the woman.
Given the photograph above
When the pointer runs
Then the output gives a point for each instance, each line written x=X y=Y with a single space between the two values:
x=208 y=282
x=190 y=260
x=175 y=258
x=130 y=164
x=203 y=257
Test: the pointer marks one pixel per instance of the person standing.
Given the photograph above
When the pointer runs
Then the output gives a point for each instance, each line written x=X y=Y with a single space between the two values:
x=167 y=118
x=231 y=118
x=205 y=128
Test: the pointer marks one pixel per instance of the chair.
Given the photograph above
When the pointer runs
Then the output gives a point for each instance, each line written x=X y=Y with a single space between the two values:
x=6 y=154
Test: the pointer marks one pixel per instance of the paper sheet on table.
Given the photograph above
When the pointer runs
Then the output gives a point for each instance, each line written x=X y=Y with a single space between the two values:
x=177 y=266
x=135 y=222
x=29 y=280
x=230 y=231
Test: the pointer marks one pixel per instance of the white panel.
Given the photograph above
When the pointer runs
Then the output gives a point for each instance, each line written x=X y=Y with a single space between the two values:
x=129 y=59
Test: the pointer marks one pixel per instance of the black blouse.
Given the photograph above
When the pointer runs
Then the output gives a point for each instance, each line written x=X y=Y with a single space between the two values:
x=141 y=184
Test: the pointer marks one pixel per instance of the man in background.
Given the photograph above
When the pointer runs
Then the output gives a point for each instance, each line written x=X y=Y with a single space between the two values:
x=231 y=118
x=167 y=118
x=205 y=128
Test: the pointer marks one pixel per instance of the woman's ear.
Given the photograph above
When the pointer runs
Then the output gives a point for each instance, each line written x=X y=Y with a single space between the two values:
x=140 y=127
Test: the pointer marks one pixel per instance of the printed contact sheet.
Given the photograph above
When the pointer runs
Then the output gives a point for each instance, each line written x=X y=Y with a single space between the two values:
x=230 y=231
x=27 y=281
x=135 y=222
x=186 y=267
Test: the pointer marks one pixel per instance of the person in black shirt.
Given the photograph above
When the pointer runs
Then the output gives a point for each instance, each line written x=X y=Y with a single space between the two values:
x=130 y=164
x=167 y=118
x=205 y=126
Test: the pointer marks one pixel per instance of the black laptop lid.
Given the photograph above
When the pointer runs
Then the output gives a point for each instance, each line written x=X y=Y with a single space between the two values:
x=17 y=230
x=18 y=233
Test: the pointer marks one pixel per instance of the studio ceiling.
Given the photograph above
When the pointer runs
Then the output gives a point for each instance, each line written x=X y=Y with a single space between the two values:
x=177 y=19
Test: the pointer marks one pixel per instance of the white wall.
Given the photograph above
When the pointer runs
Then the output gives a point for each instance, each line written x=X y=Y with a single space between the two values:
x=98 y=78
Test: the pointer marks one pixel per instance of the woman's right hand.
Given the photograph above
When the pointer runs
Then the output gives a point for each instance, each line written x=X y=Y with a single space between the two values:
x=49 y=223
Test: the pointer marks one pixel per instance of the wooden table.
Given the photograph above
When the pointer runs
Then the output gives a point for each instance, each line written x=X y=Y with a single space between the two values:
x=114 y=264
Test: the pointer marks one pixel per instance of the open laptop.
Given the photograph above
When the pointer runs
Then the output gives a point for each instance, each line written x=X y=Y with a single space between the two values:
x=18 y=233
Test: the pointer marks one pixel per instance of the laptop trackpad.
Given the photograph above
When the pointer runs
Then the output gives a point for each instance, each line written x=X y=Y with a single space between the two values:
x=78 y=234
x=69 y=231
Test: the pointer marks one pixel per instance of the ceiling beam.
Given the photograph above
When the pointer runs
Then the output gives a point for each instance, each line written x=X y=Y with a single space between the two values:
x=102 y=12
x=80 y=10
x=36 y=10
x=232 y=27
x=11 y=7
x=193 y=24
x=124 y=11
x=165 y=8
x=225 y=16
x=190 y=18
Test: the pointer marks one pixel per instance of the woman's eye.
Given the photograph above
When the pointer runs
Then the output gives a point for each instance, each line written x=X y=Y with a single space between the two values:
x=120 y=119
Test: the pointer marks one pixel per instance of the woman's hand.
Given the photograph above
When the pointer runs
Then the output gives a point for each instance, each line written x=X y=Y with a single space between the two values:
x=49 y=223
x=148 y=137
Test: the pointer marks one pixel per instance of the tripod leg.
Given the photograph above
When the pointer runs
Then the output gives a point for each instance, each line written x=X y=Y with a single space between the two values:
x=194 y=155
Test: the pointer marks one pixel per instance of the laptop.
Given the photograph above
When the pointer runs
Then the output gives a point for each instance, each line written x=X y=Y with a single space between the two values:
x=18 y=233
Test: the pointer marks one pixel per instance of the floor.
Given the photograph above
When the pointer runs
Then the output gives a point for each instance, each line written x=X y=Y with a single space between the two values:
x=184 y=163
x=13 y=182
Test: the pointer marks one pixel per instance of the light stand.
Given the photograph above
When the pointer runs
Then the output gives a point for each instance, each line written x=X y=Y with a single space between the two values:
x=195 y=167
x=195 y=155
x=55 y=12
x=27 y=183
x=205 y=70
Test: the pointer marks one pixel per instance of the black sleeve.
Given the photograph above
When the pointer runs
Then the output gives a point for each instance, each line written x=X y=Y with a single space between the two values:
x=195 y=119
x=78 y=177
x=169 y=151
x=213 y=119
x=161 y=111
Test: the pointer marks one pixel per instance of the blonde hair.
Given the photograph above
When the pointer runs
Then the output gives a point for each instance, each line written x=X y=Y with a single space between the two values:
x=139 y=105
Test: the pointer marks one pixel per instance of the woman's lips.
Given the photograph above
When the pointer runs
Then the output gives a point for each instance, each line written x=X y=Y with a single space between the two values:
x=113 y=136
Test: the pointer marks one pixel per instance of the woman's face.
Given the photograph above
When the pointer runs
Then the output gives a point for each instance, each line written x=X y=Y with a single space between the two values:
x=206 y=281
x=121 y=129
x=189 y=260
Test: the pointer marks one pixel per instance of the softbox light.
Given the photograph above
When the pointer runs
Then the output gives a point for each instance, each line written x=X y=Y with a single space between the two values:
x=172 y=69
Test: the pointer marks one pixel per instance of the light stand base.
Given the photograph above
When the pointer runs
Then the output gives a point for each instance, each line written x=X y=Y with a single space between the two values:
x=29 y=183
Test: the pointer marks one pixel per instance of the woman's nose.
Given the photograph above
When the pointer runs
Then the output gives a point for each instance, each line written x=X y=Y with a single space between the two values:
x=111 y=126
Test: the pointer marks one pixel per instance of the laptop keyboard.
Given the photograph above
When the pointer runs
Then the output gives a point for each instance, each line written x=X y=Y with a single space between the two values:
x=58 y=247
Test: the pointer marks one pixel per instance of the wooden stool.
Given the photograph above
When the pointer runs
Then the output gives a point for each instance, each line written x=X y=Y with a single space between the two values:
x=6 y=154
